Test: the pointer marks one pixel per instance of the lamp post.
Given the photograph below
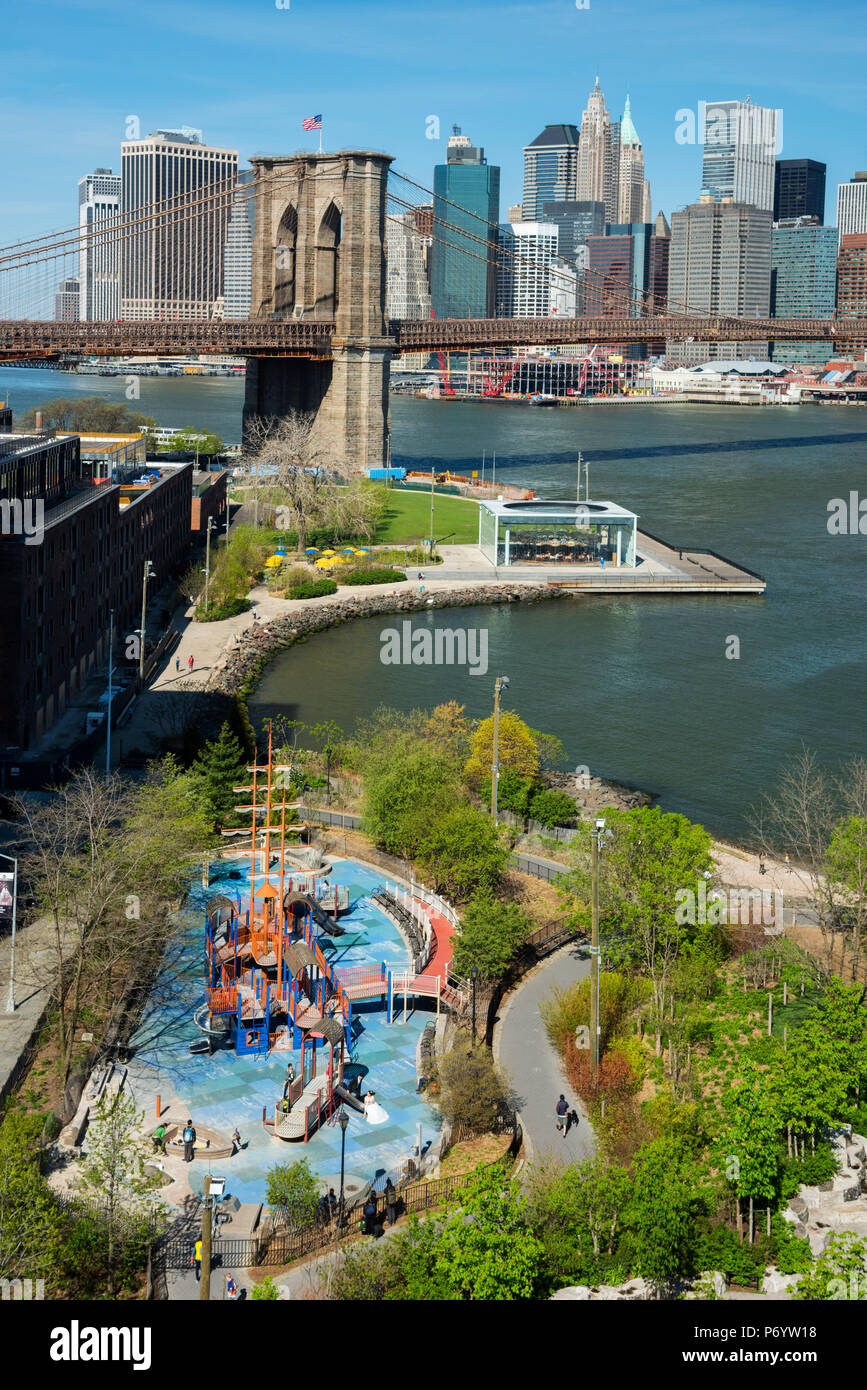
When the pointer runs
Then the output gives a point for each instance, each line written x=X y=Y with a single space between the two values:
x=149 y=573
x=10 y=1001
x=432 y=480
x=209 y=528
x=474 y=973
x=598 y=832
x=343 y=1121
x=501 y=683
x=328 y=774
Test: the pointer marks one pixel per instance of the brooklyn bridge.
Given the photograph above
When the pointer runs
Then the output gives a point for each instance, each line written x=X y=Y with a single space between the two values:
x=318 y=338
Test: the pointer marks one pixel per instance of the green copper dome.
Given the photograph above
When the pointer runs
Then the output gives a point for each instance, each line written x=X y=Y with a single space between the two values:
x=628 y=133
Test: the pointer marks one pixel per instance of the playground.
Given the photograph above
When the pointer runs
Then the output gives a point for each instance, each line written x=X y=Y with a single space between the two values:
x=227 y=1088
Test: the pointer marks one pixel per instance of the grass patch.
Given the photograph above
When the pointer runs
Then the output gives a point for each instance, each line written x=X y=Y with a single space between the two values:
x=407 y=519
x=474 y=1153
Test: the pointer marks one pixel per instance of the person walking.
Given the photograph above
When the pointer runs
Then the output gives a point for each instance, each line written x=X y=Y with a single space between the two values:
x=177 y=663
x=189 y=1137
x=562 y=1110
x=197 y=1260
x=236 y=1140
x=390 y=1202
x=763 y=868
x=190 y=662
x=788 y=863
x=369 y=1212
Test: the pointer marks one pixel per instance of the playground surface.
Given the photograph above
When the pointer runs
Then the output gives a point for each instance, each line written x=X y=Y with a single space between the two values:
x=223 y=1090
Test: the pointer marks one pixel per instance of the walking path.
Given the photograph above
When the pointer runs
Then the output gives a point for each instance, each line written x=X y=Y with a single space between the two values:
x=522 y=1049
x=35 y=975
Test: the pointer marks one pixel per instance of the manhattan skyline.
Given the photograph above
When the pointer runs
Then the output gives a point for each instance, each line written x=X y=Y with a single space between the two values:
x=247 y=74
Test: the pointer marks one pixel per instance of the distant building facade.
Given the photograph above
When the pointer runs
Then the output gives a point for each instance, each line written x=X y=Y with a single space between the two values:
x=852 y=286
x=99 y=246
x=852 y=207
x=799 y=189
x=172 y=265
x=466 y=208
x=238 y=251
x=740 y=147
x=719 y=263
x=803 y=283
x=67 y=301
x=535 y=250
x=550 y=170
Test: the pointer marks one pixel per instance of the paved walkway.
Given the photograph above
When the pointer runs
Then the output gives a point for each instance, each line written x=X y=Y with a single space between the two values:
x=35 y=975
x=522 y=1049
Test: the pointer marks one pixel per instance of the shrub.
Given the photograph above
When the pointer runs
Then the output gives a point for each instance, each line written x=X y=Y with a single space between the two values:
x=813 y=1168
x=372 y=576
x=292 y=1189
x=462 y=851
x=266 y=1290
x=566 y=1009
x=217 y=612
x=553 y=807
x=790 y=1253
x=513 y=792
x=489 y=936
x=719 y=1248
x=312 y=588
x=472 y=1091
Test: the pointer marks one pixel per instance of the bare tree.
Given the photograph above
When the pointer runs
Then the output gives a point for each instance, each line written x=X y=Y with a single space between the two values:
x=287 y=459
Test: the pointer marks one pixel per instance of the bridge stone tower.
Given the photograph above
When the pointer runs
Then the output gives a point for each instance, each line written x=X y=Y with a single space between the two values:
x=319 y=256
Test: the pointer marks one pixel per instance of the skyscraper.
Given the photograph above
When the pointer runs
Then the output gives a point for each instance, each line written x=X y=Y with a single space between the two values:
x=740 y=145
x=550 y=169
x=504 y=303
x=172 y=261
x=803 y=283
x=238 y=251
x=466 y=208
x=719 y=263
x=852 y=207
x=852 y=285
x=66 y=301
x=407 y=294
x=535 y=247
x=595 y=160
x=799 y=189
x=99 y=250
x=632 y=193
x=575 y=222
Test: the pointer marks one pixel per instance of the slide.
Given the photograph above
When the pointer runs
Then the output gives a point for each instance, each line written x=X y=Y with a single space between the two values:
x=327 y=924
x=346 y=1099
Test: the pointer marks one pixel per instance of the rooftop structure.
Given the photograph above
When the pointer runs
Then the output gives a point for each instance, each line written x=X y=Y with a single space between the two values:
x=556 y=532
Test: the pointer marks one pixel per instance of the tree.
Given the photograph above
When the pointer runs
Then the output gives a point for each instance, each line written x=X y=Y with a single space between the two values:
x=88 y=414
x=113 y=1168
x=202 y=442
x=489 y=936
x=661 y=1213
x=649 y=858
x=267 y=1291
x=840 y=1271
x=292 y=1190
x=576 y=1212
x=815 y=1080
x=218 y=769
x=846 y=861
x=410 y=788
x=285 y=452
x=516 y=748
x=473 y=1094
x=752 y=1137
x=461 y=851
x=486 y=1248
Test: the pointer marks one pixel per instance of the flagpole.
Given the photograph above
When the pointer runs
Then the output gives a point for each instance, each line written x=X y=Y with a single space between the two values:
x=320 y=139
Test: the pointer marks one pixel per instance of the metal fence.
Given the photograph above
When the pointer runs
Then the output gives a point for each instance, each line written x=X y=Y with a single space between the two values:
x=538 y=868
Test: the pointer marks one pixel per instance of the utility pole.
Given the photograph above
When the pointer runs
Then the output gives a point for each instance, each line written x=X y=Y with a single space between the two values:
x=587 y=482
x=501 y=683
x=208 y=529
x=205 y=1286
x=578 y=498
x=432 y=478
x=594 y=952
x=149 y=573
x=110 y=694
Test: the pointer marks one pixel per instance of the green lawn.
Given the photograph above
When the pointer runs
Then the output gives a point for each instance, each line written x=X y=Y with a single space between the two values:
x=407 y=519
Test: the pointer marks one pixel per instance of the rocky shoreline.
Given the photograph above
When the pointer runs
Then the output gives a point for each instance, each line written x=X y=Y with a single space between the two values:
x=240 y=666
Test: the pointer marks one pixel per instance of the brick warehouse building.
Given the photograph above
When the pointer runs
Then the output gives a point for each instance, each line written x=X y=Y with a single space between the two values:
x=56 y=596
x=852 y=285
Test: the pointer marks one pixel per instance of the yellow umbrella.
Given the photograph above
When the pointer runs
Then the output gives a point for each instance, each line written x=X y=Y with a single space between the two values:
x=324 y=564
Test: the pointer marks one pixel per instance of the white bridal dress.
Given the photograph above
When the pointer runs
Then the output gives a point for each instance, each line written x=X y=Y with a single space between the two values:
x=374 y=1113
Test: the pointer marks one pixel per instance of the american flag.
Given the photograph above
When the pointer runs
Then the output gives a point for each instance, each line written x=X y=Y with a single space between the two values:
x=312 y=123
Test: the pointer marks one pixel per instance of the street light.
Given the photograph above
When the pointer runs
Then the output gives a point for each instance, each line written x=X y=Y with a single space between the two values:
x=474 y=972
x=10 y=1001
x=210 y=527
x=328 y=774
x=343 y=1121
x=598 y=833
x=501 y=683
x=110 y=694
x=149 y=573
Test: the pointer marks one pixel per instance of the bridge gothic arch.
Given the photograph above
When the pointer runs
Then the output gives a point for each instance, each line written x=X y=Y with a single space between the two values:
x=327 y=262
x=285 y=262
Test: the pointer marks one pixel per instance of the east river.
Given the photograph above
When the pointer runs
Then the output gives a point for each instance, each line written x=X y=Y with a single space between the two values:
x=639 y=689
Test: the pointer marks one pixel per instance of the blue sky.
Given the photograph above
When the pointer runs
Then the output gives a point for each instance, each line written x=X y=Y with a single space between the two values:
x=246 y=72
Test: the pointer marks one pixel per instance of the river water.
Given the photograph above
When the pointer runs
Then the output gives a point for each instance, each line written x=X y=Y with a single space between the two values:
x=638 y=689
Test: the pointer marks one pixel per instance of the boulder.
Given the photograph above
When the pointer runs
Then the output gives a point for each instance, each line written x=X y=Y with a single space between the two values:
x=774 y=1283
x=578 y=1292
x=799 y=1207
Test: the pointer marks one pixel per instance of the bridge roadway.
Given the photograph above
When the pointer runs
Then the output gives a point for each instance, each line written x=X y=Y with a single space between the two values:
x=309 y=338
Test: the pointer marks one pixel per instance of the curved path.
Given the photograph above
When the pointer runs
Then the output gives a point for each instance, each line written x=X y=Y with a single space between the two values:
x=522 y=1049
